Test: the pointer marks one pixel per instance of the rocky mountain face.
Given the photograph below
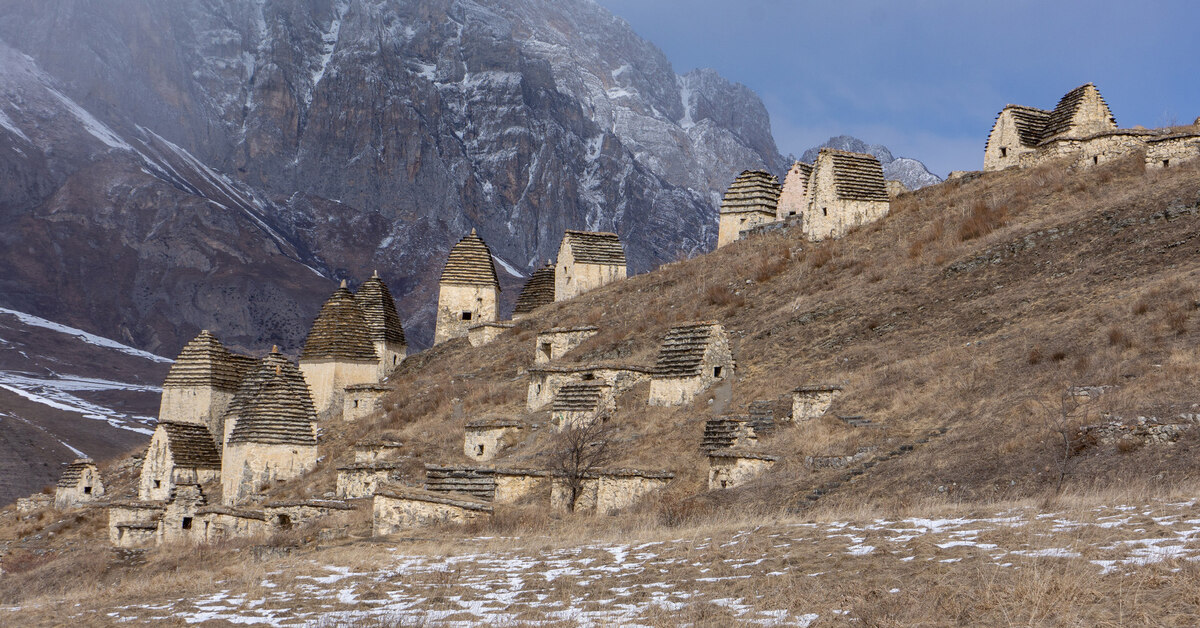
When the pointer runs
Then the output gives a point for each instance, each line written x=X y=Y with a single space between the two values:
x=172 y=166
x=909 y=171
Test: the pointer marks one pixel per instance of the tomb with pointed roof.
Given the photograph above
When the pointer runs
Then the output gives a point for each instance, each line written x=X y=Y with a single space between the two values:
x=587 y=260
x=339 y=351
x=538 y=291
x=750 y=201
x=178 y=453
x=845 y=190
x=201 y=383
x=469 y=290
x=793 y=198
x=79 y=484
x=383 y=322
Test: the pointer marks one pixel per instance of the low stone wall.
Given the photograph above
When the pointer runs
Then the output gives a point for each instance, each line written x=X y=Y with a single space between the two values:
x=484 y=333
x=396 y=509
x=813 y=401
x=552 y=344
x=545 y=381
x=515 y=485
x=1172 y=151
x=284 y=515
x=377 y=449
x=677 y=391
x=609 y=491
x=362 y=400
x=1149 y=430
x=359 y=480
x=732 y=469
x=132 y=524
x=484 y=440
x=37 y=501
x=217 y=523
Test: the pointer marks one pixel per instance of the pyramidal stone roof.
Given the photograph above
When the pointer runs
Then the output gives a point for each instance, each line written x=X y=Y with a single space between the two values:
x=579 y=397
x=753 y=190
x=470 y=264
x=379 y=309
x=593 y=247
x=857 y=176
x=538 y=290
x=192 y=445
x=340 y=331
x=206 y=362
x=74 y=472
x=1060 y=119
x=273 y=406
x=682 y=351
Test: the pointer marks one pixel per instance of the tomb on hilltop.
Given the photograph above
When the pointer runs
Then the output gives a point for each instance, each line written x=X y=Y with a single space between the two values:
x=202 y=382
x=273 y=433
x=469 y=290
x=179 y=453
x=362 y=400
x=751 y=200
x=487 y=438
x=383 y=321
x=793 y=199
x=845 y=190
x=1017 y=131
x=587 y=260
x=693 y=356
x=79 y=484
x=538 y=291
x=730 y=468
x=557 y=342
x=339 y=351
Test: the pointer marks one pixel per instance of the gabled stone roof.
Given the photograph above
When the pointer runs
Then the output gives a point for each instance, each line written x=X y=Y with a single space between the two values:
x=682 y=351
x=538 y=290
x=340 y=331
x=206 y=362
x=593 y=247
x=379 y=309
x=857 y=176
x=273 y=406
x=192 y=445
x=1030 y=123
x=1060 y=119
x=753 y=190
x=74 y=472
x=580 y=397
x=470 y=264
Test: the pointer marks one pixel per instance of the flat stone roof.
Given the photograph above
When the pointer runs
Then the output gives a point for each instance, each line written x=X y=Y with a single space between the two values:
x=448 y=499
x=311 y=503
x=367 y=388
x=731 y=453
x=493 y=423
x=567 y=330
x=583 y=368
x=500 y=324
x=233 y=512
x=381 y=465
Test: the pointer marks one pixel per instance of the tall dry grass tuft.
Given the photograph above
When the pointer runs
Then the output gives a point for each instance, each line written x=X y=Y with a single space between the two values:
x=982 y=219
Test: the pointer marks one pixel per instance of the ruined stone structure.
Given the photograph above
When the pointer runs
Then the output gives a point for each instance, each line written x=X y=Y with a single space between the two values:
x=133 y=523
x=793 y=199
x=845 y=190
x=216 y=523
x=375 y=449
x=692 y=357
x=545 y=380
x=79 y=484
x=360 y=479
x=362 y=400
x=469 y=291
x=387 y=333
x=538 y=291
x=202 y=382
x=728 y=431
x=178 y=520
x=179 y=453
x=396 y=508
x=483 y=333
x=750 y=201
x=586 y=261
x=339 y=351
x=487 y=438
x=813 y=401
x=895 y=188
x=731 y=468
x=608 y=491
x=284 y=515
x=489 y=484
x=578 y=404
x=273 y=436
x=1081 y=129
x=557 y=342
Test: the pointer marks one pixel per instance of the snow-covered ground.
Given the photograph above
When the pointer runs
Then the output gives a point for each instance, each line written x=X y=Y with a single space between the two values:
x=84 y=336
x=59 y=392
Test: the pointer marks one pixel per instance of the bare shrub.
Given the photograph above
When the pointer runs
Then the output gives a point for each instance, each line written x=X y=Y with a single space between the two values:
x=1035 y=354
x=580 y=450
x=1118 y=338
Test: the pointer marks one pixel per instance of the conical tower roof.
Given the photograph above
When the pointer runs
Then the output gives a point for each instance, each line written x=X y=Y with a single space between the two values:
x=340 y=331
x=273 y=406
x=379 y=309
x=470 y=264
x=538 y=290
x=753 y=190
x=206 y=362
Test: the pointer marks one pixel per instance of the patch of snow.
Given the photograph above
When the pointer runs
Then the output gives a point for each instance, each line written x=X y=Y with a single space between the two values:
x=508 y=268
x=91 y=339
x=90 y=123
x=7 y=123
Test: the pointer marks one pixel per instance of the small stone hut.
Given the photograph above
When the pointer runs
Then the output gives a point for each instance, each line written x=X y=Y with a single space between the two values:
x=554 y=343
x=545 y=380
x=587 y=260
x=133 y=523
x=793 y=199
x=396 y=508
x=360 y=479
x=284 y=515
x=750 y=201
x=202 y=382
x=469 y=290
x=339 y=351
x=538 y=291
x=813 y=401
x=489 y=484
x=178 y=520
x=485 y=439
x=846 y=190
x=361 y=400
x=273 y=437
x=79 y=484
x=608 y=491
x=725 y=432
x=731 y=468
x=383 y=321
x=1018 y=130
x=692 y=357
x=1022 y=135
x=580 y=403
x=179 y=453
x=483 y=333
x=1171 y=150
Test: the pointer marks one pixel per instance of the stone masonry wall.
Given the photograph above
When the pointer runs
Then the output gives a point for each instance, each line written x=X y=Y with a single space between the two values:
x=360 y=404
x=830 y=217
x=201 y=405
x=731 y=225
x=572 y=278
x=392 y=514
x=725 y=472
x=477 y=303
x=1172 y=152
x=808 y=405
x=794 y=197
x=605 y=493
x=245 y=467
x=485 y=443
x=327 y=380
x=391 y=354
x=555 y=343
x=512 y=487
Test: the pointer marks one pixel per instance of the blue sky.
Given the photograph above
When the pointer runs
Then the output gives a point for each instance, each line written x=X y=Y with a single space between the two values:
x=927 y=77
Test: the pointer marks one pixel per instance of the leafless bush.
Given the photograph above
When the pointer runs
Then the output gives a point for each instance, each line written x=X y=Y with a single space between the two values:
x=580 y=450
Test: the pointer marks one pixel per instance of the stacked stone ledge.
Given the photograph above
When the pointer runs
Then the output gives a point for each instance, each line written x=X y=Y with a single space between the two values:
x=579 y=404
x=383 y=322
x=730 y=468
x=178 y=453
x=537 y=292
x=692 y=357
x=751 y=200
x=726 y=432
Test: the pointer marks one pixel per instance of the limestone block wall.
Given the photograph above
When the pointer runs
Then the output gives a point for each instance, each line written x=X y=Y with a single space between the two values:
x=285 y=515
x=733 y=471
x=794 y=196
x=552 y=344
x=202 y=405
x=572 y=279
x=1171 y=152
x=391 y=354
x=178 y=522
x=245 y=467
x=378 y=450
x=361 y=402
x=158 y=469
x=831 y=217
x=544 y=384
x=1105 y=148
x=515 y=486
x=484 y=333
x=360 y=481
x=677 y=391
x=486 y=441
x=565 y=420
x=1004 y=147
x=217 y=524
x=328 y=379
x=607 y=493
x=461 y=307
x=395 y=511
x=1092 y=116
x=37 y=501
x=810 y=402
x=731 y=225
x=89 y=488
x=133 y=524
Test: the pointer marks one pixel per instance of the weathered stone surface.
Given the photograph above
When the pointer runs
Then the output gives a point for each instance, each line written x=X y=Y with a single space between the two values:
x=361 y=479
x=845 y=190
x=692 y=358
x=483 y=333
x=398 y=508
x=813 y=401
x=79 y=484
x=555 y=343
x=586 y=261
x=609 y=491
x=362 y=400
x=179 y=453
x=751 y=200
x=729 y=469
x=486 y=439
x=469 y=292
x=546 y=380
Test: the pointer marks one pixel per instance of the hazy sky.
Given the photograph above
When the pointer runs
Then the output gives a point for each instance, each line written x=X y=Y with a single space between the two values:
x=927 y=77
